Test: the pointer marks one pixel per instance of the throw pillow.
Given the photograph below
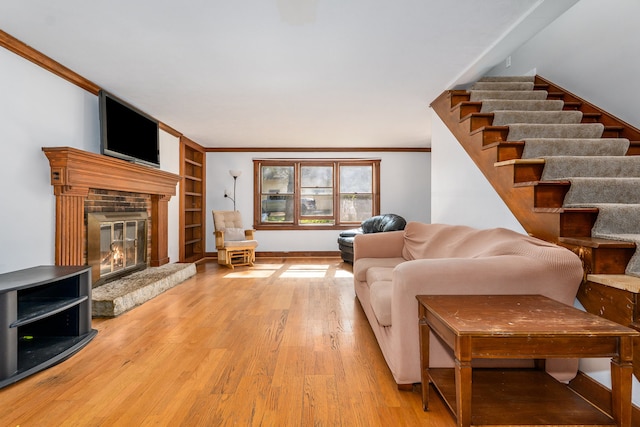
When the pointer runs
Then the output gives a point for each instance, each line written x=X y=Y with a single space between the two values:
x=233 y=234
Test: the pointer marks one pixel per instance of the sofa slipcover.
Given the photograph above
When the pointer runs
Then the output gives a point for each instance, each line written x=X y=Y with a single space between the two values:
x=391 y=269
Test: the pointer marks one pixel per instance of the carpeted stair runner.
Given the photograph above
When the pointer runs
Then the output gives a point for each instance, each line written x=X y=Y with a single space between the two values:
x=497 y=85
x=507 y=79
x=522 y=131
x=491 y=105
x=620 y=222
x=600 y=173
x=542 y=147
x=617 y=219
x=563 y=167
x=505 y=117
x=480 y=95
x=603 y=190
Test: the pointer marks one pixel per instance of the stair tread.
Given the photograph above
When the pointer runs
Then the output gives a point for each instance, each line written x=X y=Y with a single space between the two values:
x=519 y=162
x=460 y=104
x=476 y=115
x=504 y=143
x=487 y=128
x=619 y=281
x=596 y=242
x=558 y=183
x=566 y=210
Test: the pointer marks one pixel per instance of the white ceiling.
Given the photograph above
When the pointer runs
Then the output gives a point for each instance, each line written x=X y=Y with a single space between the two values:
x=281 y=73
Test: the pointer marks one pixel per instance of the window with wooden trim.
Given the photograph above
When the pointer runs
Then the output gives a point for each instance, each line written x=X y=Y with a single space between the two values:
x=315 y=193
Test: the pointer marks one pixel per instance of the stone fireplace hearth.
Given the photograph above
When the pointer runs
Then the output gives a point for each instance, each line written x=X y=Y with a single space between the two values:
x=119 y=296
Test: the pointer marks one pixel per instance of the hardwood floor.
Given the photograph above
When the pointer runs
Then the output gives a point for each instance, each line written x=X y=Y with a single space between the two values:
x=285 y=343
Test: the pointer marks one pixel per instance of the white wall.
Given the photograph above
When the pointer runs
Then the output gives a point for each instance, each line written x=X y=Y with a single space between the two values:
x=591 y=51
x=170 y=162
x=39 y=109
x=405 y=190
x=460 y=194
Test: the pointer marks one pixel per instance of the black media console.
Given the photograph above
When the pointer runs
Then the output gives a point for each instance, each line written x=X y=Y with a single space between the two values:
x=45 y=317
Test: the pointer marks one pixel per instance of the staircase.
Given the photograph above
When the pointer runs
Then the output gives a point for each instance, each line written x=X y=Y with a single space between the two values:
x=529 y=138
x=543 y=150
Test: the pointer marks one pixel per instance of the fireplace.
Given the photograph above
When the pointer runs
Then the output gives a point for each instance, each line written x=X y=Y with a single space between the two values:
x=116 y=244
x=76 y=175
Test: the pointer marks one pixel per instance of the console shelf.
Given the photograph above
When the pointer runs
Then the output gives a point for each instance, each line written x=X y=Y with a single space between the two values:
x=45 y=317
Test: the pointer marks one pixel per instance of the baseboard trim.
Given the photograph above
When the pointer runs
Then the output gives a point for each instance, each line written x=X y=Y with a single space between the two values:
x=599 y=395
x=294 y=254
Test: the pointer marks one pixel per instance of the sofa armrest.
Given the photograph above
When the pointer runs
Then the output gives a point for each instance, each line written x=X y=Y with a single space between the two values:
x=378 y=245
x=219 y=239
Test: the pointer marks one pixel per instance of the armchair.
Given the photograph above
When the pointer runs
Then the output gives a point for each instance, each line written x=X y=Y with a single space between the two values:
x=235 y=245
x=375 y=224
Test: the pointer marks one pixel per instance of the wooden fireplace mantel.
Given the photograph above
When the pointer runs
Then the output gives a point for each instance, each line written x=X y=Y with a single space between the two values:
x=74 y=172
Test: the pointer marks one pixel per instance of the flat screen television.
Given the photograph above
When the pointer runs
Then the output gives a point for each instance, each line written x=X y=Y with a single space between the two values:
x=126 y=132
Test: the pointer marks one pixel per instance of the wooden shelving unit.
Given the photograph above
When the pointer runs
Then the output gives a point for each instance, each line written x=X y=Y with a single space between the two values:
x=192 y=203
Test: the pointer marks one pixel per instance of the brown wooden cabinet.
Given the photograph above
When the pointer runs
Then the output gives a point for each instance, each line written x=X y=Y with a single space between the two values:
x=192 y=203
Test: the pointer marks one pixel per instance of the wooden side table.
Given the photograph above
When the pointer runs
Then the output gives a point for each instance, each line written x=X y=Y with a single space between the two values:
x=519 y=327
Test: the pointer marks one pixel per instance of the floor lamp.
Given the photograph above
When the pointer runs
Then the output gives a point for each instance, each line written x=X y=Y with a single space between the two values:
x=235 y=174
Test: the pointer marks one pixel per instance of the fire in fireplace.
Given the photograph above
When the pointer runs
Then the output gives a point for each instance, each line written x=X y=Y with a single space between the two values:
x=116 y=244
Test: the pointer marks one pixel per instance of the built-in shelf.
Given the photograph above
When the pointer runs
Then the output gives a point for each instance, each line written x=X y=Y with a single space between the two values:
x=46 y=318
x=191 y=161
x=192 y=215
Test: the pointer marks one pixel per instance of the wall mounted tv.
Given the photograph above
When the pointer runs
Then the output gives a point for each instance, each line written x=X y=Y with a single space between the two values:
x=126 y=132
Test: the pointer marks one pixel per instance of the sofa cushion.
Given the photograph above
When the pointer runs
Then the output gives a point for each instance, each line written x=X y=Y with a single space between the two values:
x=380 y=294
x=360 y=268
x=433 y=241
x=233 y=244
x=234 y=234
x=376 y=274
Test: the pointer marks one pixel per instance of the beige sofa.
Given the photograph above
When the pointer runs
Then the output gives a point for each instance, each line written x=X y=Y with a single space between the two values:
x=391 y=268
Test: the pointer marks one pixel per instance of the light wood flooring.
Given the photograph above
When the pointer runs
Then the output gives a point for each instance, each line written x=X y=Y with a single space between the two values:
x=284 y=343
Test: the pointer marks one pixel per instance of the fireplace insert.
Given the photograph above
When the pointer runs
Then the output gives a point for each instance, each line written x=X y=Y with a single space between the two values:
x=116 y=244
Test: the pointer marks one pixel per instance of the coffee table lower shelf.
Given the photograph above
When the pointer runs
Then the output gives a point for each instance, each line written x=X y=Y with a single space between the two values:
x=519 y=397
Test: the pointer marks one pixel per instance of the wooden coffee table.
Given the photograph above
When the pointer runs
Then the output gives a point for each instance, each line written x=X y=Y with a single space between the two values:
x=521 y=327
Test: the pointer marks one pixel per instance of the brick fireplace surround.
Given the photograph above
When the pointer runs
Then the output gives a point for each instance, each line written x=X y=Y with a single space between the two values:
x=77 y=174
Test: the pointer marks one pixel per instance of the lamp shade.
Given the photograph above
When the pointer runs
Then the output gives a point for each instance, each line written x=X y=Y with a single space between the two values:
x=235 y=173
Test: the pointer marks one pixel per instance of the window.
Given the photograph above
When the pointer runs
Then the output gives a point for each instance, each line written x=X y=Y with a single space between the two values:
x=315 y=194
